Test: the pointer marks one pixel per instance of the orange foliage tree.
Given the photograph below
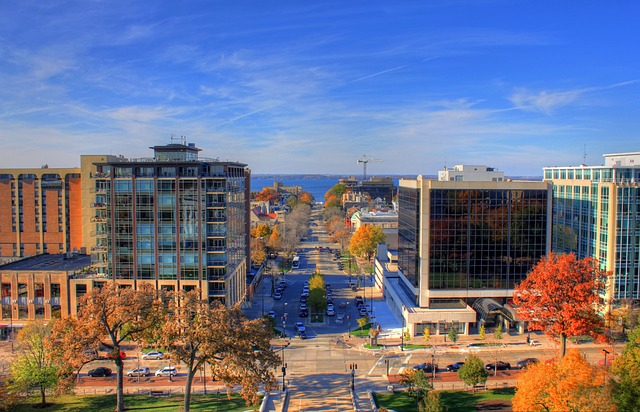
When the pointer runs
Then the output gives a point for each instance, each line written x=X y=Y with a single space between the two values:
x=261 y=230
x=268 y=194
x=364 y=241
x=560 y=296
x=569 y=385
x=306 y=197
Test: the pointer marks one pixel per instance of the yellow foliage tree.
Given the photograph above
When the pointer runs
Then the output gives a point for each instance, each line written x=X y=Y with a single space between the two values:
x=572 y=384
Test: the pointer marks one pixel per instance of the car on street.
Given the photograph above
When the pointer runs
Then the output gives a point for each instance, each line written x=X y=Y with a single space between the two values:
x=167 y=371
x=277 y=296
x=272 y=313
x=526 y=362
x=141 y=371
x=330 y=310
x=305 y=294
x=303 y=335
x=362 y=311
x=101 y=371
x=303 y=313
x=303 y=306
x=535 y=343
x=153 y=355
x=500 y=365
x=426 y=367
x=340 y=318
x=455 y=366
x=300 y=327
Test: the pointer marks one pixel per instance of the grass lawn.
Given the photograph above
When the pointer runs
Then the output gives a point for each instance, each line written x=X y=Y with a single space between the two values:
x=107 y=403
x=416 y=346
x=363 y=333
x=454 y=401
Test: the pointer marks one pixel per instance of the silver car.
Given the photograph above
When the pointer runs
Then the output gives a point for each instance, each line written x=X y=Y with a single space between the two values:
x=141 y=371
x=155 y=355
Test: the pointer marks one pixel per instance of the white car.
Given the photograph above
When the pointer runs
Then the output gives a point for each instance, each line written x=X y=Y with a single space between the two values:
x=340 y=318
x=535 y=343
x=167 y=371
x=300 y=327
x=153 y=355
x=141 y=371
x=330 y=310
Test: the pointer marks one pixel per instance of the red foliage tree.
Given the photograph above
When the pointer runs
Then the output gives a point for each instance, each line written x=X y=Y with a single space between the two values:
x=268 y=194
x=560 y=296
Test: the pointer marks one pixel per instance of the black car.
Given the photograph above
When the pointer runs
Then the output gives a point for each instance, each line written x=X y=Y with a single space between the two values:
x=304 y=313
x=526 y=362
x=426 y=367
x=498 y=365
x=454 y=366
x=101 y=371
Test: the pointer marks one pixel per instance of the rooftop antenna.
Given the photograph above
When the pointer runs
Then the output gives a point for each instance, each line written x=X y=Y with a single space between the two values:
x=181 y=139
x=584 y=155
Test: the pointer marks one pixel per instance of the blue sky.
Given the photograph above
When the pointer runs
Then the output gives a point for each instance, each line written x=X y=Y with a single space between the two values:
x=311 y=86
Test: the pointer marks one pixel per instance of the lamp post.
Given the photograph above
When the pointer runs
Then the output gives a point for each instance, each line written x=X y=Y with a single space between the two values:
x=284 y=369
x=262 y=300
x=402 y=335
x=13 y=302
x=433 y=368
x=605 y=352
x=349 y=318
x=353 y=367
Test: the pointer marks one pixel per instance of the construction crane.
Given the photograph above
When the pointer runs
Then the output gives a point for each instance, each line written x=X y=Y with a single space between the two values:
x=364 y=162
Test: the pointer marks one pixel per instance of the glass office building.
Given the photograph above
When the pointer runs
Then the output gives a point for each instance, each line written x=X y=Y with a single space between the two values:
x=176 y=220
x=467 y=244
x=596 y=213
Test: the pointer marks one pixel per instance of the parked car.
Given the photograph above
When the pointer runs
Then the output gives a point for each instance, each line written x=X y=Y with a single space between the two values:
x=272 y=313
x=363 y=311
x=535 y=343
x=167 y=371
x=300 y=327
x=277 y=296
x=101 y=371
x=303 y=306
x=340 y=318
x=426 y=367
x=303 y=335
x=455 y=366
x=141 y=371
x=498 y=365
x=304 y=313
x=153 y=355
x=303 y=299
x=526 y=362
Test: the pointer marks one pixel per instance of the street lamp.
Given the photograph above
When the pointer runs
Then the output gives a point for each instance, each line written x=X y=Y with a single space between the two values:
x=353 y=367
x=402 y=335
x=605 y=352
x=349 y=318
x=433 y=369
x=262 y=300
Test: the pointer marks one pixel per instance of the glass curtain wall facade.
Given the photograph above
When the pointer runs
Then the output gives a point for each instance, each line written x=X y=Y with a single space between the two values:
x=596 y=213
x=178 y=221
x=466 y=240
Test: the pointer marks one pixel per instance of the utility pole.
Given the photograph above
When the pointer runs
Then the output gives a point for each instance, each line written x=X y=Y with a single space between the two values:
x=353 y=367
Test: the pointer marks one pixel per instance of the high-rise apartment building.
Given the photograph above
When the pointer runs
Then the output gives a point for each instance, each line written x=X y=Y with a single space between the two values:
x=176 y=220
x=596 y=213
x=40 y=211
x=463 y=246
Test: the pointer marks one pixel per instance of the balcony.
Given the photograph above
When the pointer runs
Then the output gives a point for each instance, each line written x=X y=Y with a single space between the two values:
x=98 y=219
x=99 y=205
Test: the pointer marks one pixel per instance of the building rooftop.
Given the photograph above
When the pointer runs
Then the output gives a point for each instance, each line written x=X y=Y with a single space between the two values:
x=61 y=262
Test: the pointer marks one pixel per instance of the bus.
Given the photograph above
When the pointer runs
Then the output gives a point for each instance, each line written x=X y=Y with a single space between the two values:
x=296 y=262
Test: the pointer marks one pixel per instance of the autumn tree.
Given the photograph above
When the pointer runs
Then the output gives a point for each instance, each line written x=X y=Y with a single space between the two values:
x=363 y=321
x=258 y=251
x=338 y=231
x=365 y=240
x=473 y=372
x=560 y=296
x=329 y=212
x=625 y=381
x=306 y=198
x=34 y=366
x=267 y=194
x=112 y=315
x=453 y=334
x=274 y=242
x=261 y=231
x=198 y=332
x=571 y=384
x=483 y=331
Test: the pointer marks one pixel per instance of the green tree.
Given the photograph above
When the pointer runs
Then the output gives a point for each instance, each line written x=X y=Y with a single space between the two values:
x=426 y=336
x=497 y=333
x=417 y=383
x=365 y=240
x=483 y=332
x=625 y=382
x=34 y=365
x=473 y=371
x=431 y=403
x=453 y=335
